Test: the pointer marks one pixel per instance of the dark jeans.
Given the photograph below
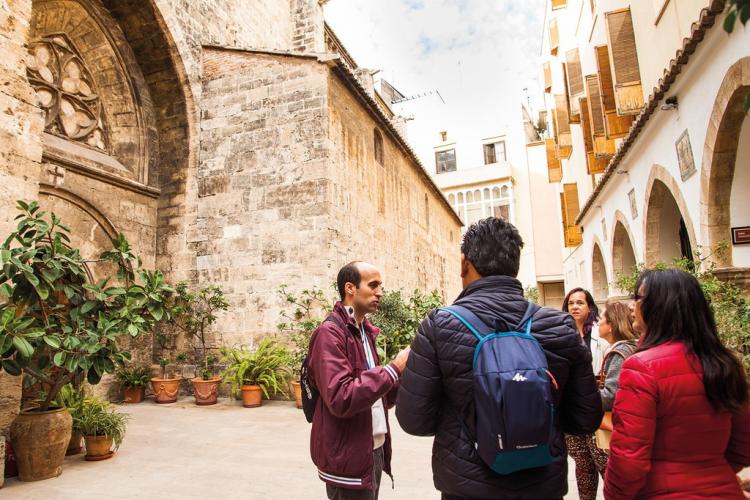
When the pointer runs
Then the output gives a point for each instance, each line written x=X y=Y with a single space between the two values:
x=336 y=493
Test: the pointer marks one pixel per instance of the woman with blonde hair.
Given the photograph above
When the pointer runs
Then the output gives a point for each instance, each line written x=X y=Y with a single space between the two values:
x=615 y=327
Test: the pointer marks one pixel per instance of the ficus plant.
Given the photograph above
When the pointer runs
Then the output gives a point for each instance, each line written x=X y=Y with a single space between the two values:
x=56 y=325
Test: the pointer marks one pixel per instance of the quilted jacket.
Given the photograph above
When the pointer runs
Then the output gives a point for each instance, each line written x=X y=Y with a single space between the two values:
x=668 y=442
x=437 y=390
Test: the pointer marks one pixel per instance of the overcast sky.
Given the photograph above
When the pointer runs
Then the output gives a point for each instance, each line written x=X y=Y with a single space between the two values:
x=479 y=54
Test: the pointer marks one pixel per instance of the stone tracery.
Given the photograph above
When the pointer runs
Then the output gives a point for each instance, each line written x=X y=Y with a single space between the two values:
x=65 y=91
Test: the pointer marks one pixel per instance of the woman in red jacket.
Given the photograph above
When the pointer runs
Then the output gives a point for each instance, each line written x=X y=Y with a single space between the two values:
x=681 y=415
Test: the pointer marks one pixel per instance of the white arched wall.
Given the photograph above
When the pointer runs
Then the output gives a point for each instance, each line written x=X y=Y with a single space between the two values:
x=739 y=206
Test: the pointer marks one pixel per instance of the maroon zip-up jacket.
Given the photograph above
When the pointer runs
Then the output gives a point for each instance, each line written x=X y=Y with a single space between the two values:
x=341 y=439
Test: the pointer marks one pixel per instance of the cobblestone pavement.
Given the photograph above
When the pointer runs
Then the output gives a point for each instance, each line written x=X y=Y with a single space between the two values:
x=181 y=451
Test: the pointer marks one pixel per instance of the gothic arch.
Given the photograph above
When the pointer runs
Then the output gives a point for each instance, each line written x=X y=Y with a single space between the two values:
x=599 y=280
x=720 y=156
x=664 y=216
x=623 y=247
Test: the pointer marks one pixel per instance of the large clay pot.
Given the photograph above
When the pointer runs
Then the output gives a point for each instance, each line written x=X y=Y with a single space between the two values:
x=166 y=390
x=40 y=439
x=134 y=394
x=75 y=446
x=98 y=448
x=206 y=391
x=297 y=388
x=252 y=396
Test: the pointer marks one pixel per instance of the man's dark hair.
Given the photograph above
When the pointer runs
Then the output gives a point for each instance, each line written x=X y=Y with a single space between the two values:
x=348 y=274
x=493 y=246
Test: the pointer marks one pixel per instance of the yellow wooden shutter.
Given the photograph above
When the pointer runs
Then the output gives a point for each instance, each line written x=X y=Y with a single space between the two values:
x=554 y=37
x=547 y=77
x=624 y=61
x=573 y=236
x=554 y=167
x=575 y=81
x=559 y=4
x=615 y=125
x=593 y=164
x=603 y=147
x=562 y=126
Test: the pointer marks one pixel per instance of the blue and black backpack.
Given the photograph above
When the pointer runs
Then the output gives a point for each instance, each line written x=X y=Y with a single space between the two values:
x=512 y=394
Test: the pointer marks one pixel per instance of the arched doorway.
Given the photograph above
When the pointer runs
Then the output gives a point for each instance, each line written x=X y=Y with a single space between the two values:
x=668 y=228
x=725 y=170
x=623 y=255
x=599 y=281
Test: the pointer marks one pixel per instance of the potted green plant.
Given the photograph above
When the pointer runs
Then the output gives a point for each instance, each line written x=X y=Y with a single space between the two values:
x=102 y=427
x=254 y=373
x=193 y=313
x=299 y=318
x=133 y=380
x=72 y=398
x=166 y=389
x=57 y=326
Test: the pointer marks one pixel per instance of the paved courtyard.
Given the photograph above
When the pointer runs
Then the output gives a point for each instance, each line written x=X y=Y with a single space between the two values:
x=181 y=451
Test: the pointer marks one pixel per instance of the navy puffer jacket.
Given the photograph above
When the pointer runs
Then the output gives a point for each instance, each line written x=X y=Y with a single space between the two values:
x=436 y=390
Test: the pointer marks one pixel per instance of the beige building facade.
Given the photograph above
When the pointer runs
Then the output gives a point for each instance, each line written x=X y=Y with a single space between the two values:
x=233 y=143
x=648 y=144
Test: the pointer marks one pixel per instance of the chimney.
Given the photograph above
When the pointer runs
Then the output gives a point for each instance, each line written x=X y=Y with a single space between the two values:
x=444 y=136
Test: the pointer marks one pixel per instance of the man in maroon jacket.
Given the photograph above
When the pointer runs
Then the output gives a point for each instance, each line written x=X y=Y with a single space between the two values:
x=350 y=440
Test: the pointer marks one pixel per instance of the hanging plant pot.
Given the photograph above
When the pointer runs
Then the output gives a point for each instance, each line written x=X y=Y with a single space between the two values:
x=98 y=448
x=166 y=390
x=252 y=396
x=40 y=439
x=297 y=388
x=134 y=394
x=206 y=391
x=75 y=445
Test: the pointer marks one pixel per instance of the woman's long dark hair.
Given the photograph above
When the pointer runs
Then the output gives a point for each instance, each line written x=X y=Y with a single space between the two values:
x=674 y=308
x=593 y=309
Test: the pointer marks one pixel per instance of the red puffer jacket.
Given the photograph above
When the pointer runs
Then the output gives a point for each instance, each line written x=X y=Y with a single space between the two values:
x=668 y=442
x=341 y=437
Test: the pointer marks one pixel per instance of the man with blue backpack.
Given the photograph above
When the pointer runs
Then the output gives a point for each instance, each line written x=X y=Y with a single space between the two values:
x=498 y=381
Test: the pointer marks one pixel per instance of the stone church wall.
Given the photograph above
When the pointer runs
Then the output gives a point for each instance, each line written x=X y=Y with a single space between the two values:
x=387 y=213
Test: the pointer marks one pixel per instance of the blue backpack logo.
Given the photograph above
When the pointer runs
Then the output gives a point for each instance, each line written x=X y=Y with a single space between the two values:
x=512 y=395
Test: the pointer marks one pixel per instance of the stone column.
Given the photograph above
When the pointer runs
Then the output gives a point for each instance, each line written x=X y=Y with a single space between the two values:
x=307 y=26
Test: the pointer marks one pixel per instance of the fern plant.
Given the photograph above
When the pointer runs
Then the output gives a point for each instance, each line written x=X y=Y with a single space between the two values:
x=133 y=376
x=267 y=366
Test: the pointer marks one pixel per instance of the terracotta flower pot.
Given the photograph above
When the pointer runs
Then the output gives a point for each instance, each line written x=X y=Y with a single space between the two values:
x=166 y=390
x=206 y=391
x=252 y=396
x=39 y=440
x=98 y=448
x=297 y=388
x=134 y=394
x=75 y=446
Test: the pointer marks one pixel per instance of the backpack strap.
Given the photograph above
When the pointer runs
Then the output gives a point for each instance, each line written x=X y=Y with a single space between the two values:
x=470 y=320
x=531 y=310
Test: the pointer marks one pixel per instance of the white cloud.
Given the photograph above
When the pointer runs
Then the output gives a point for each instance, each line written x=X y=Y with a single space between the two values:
x=479 y=54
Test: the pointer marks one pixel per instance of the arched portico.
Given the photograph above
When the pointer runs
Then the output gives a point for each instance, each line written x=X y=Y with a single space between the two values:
x=599 y=281
x=623 y=248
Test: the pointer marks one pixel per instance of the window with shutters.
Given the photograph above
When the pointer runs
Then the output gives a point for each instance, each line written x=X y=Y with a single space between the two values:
x=554 y=167
x=562 y=127
x=547 y=76
x=615 y=125
x=570 y=209
x=554 y=36
x=574 y=81
x=594 y=165
x=445 y=161
x=559 y=4
x=626 y=73
x=602 y=147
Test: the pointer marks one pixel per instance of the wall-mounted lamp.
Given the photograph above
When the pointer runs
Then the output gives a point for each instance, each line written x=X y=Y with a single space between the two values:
x=669 y=103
